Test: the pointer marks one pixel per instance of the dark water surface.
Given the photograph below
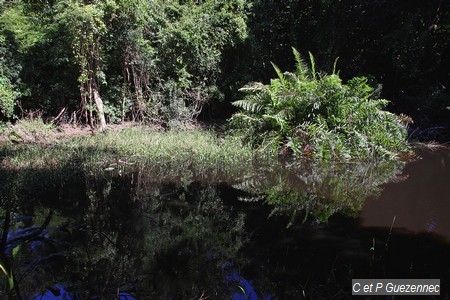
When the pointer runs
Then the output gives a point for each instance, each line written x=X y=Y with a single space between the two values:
x=420 y=204
x=297 y=231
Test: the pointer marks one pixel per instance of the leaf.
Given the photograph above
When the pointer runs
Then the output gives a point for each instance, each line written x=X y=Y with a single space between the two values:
x=15 y=250
x=253 y=104
x=242 y=289
x=253 y=87
x=9 y=276
x=334 y=65
x=346 y=120
x=279 y=73
x=313 y=65
x=301 y=67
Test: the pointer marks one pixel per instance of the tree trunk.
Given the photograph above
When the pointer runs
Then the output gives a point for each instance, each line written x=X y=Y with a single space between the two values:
x=91 y=117
x=99 y=104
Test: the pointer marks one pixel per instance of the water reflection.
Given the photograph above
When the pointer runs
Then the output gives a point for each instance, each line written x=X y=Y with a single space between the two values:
x=165 y=241
x=420 y=204
x=147 y=233
x=318 y=190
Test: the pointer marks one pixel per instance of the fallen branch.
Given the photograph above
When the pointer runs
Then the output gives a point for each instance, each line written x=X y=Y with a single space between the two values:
x=58 y=117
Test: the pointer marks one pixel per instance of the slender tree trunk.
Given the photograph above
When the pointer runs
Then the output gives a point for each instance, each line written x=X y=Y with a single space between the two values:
x=91 y=117
x=126 y=78
x=83 y=103
x=123 y=103
x=99 y=104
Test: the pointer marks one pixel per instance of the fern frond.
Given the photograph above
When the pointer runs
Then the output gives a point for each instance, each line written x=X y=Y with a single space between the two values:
x=253 y=87
x=291 y=78
x=251 y=199
x=281 y=118
x=287 y=113
x=284 y=117
x=301 y=67
x=279 y=73
x=250 y=104
x=334 y=65
x=313 y=65
x=243 y=117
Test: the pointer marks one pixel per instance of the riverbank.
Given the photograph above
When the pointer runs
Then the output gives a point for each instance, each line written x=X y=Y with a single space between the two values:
x=199 y=148
x=35 y=145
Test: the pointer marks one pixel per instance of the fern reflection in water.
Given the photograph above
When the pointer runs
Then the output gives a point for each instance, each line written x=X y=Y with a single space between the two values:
x=318 y=190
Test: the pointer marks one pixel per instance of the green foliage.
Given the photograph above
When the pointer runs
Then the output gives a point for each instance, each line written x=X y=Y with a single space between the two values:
x=174 y=55
x=151 y=61
x=163 y=61
x=85 y=26
x=28 y=29
x=9 y=276
x=7 y=97
x=8 y=92
x=34 y=57
x=198 y=33
x=28 y=131
x=312 y=114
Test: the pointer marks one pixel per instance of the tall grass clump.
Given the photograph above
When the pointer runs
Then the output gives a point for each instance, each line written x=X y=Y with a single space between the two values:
x=170 y=152
x=310 y=114
x=197 y=148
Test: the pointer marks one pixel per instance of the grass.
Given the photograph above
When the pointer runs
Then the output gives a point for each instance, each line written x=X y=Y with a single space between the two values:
x=198 y=151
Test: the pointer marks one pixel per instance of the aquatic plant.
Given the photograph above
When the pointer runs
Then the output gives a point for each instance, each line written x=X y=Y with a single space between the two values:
x=311 y=114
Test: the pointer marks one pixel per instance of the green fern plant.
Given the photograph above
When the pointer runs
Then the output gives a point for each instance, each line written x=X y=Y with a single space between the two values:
x=309 y=113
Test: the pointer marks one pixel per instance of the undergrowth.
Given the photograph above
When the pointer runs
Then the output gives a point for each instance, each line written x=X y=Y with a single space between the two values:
x=309 y=114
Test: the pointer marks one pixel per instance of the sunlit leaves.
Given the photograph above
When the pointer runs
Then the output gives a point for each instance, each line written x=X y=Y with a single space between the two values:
x=28 y=30
x=317 y=115
x=7 y=97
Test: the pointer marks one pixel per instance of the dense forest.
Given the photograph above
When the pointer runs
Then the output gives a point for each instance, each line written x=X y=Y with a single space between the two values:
x=169 y=62
x=222 y=149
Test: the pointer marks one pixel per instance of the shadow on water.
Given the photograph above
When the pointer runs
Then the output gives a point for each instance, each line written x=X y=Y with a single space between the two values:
x=286 y=231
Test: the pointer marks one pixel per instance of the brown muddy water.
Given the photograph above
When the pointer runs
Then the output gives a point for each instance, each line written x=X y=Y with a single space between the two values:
x=297 y=231
x=420 y=204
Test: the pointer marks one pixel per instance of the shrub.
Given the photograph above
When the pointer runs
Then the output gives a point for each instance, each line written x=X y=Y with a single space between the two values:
x=316 y=115
x=7 y=98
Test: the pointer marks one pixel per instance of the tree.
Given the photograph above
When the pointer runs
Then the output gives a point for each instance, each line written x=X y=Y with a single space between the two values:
x=85 y=26
x=172 y=52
